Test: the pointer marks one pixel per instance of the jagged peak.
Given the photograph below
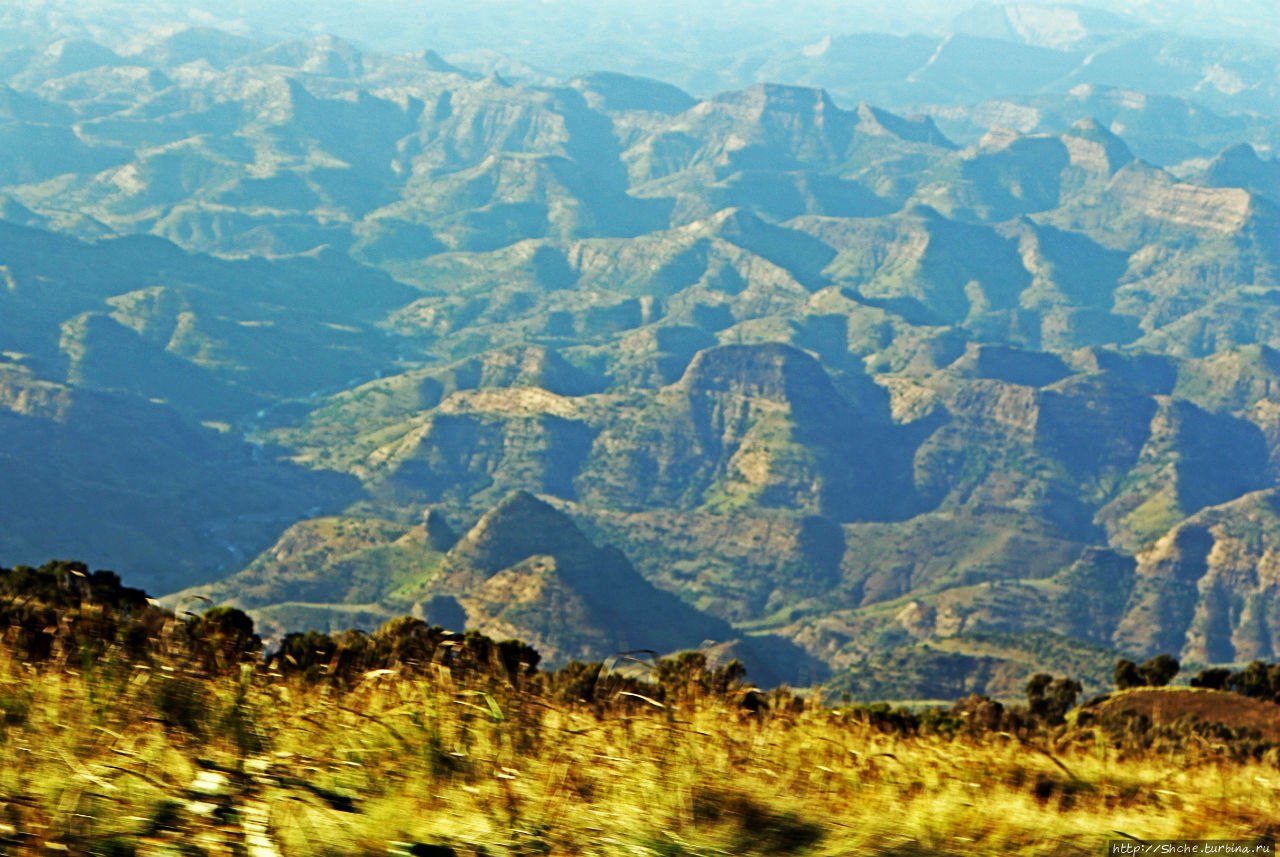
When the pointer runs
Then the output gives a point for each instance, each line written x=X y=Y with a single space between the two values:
x=1239 y=153
x=724 y=223
x=330 y=42
x=768 y=370
x=435 y=62
x=521 y=499
x=1101 y=149
x=327 y=55
x=921 y=212
x=71 y=56
x=867 y=113
x=727 y=218
x=317 y=44
x=921 y=129
x=806 y=103
x=1088 y=144
x=440 y=536
x=997 y=138
x=283 y=89
x=181 y=42
x=619 y=91
x=518 y=527
x=1241 y=166
x=87 y=48
x=526 y=570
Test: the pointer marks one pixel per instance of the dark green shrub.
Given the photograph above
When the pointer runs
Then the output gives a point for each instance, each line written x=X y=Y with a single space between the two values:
x=1159 y=671
x=182 y=703
x=1049 y=699
x=1212 y=679
x=1127 y=675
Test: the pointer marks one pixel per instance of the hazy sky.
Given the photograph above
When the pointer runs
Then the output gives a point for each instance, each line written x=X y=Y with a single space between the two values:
x=548 y=26
x=703 y=46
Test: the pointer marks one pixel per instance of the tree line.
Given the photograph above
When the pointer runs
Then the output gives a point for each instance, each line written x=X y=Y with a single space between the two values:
x=63 y=612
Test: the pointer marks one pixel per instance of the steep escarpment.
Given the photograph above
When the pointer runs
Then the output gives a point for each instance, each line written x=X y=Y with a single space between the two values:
x=297 y=313
x=1206 y=590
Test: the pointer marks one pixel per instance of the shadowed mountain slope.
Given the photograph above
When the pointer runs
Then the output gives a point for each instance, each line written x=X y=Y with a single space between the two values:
x=832 y=385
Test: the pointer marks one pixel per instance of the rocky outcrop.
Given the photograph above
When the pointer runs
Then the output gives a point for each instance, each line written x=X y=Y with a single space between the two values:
x=1153 y=194
x=525 y=570
x=1207 y=591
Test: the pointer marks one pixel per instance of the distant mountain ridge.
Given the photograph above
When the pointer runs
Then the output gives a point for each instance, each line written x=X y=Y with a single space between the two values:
x=818 y=386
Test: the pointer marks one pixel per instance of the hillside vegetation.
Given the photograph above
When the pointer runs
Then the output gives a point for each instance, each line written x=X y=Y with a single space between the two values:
x=130 y=731
x=819 y=380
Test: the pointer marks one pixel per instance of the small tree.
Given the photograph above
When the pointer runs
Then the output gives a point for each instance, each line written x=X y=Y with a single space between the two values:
x=221 y=637
x=1159 y=671
x=686 y=676
x=1127 y=675
x=519 y=660
x=1254 y=680
x=680 y=674
x=305 y=652
x=1212 y=679
x=407 y=640
x=1049 y=699
x=1154 y=672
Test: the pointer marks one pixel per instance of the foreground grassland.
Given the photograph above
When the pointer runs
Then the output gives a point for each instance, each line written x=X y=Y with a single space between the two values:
x=122 y=758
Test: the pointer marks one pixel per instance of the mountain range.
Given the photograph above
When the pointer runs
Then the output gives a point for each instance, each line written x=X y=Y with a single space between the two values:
x=332 y=335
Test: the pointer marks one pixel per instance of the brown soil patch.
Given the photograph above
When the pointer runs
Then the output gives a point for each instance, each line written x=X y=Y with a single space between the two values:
x=1164 y=706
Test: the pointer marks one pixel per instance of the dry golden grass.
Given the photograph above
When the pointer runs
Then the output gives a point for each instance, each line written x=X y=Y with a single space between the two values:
x=122 y=760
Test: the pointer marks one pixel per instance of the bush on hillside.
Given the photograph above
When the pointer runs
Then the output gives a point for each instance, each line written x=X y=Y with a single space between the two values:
x=1154 y=672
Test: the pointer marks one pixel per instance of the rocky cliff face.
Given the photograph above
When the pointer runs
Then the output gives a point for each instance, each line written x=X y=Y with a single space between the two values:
x=813 y=369
x=1207 y=589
